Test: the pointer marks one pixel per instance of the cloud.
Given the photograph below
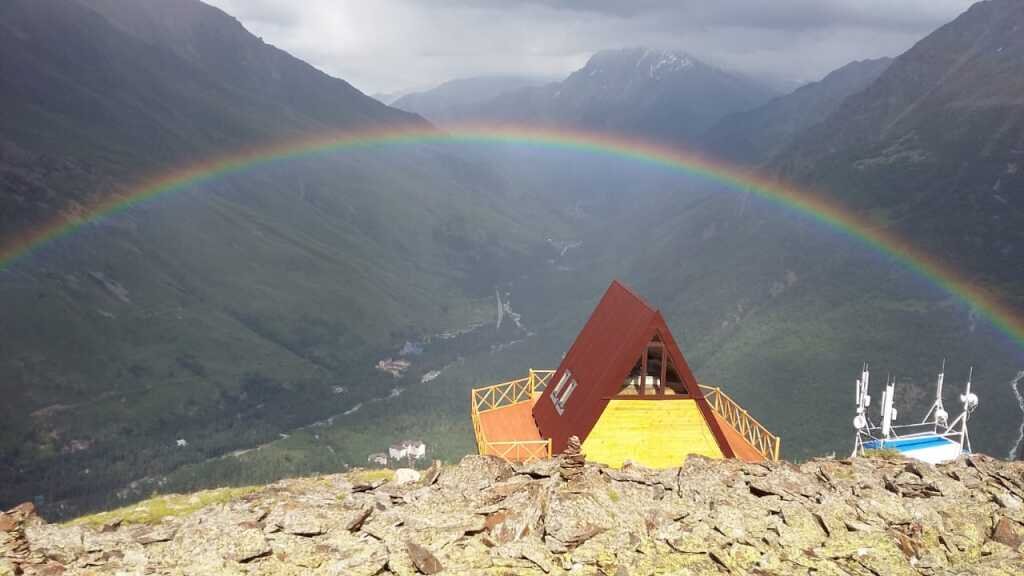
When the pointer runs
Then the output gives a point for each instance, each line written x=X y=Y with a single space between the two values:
x=779 y=14
x=389 y=45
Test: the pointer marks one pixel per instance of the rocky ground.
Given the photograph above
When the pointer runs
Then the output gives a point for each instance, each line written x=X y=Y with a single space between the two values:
x=483 y=516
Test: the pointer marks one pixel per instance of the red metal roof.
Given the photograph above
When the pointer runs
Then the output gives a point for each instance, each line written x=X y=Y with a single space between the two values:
x=600 y=359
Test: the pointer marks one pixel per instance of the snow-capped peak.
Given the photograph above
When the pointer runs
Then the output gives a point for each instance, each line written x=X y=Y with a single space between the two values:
x=660 y=63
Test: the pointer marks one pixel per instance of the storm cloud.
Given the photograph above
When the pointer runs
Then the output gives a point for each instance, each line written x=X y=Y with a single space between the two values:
x=393 y=45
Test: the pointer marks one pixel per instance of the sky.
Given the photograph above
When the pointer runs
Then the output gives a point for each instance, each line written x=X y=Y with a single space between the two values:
x=384 y=46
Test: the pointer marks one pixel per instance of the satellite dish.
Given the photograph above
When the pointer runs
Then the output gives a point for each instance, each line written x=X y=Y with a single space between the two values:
x=970 y=400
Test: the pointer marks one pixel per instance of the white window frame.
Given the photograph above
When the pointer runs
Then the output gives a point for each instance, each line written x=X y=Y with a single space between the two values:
x=561 y=382
x=560 y=402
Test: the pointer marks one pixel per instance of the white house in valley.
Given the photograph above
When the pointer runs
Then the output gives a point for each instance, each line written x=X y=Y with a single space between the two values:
x=408 y=449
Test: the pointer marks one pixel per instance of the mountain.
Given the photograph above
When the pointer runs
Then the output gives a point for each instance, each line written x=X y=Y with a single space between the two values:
x=218 y=44
x=754 y=136
x=864 y=516
x=236 y=308
x=458 y=99
x=170 y=81
x=935 y=147
x=664 y=95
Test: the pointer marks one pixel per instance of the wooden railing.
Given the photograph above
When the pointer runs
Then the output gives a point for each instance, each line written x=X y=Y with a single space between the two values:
x=507 y=394
x=521 y=450
x=527 y=388
x=766 y=443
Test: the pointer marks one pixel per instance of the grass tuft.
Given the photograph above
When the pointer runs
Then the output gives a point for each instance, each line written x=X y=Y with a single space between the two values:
x=371 y=476
x=883 y=454
x=157 y=508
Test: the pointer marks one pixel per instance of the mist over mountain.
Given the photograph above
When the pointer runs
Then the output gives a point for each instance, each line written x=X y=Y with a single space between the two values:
x=460 y=98
x=756 y=135
x=298 y=315
x=388 y=97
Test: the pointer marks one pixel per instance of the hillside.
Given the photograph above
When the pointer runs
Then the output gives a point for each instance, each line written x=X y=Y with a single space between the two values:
x=755 y=136
x=933 y=148
x=233 y=310
x=865 y=516
x=96 y=101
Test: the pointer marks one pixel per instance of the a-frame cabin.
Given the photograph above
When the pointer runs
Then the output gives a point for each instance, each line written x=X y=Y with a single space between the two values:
x=625 y=389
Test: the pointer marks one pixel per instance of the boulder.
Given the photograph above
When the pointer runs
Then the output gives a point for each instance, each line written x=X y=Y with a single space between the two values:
x=405 y=476
x=423 y=559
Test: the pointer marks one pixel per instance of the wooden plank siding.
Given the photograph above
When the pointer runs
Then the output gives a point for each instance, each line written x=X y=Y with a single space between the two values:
x=650 y=433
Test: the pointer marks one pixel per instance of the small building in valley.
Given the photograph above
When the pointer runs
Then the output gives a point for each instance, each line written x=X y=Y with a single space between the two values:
x=408 y=449
x=625 y=389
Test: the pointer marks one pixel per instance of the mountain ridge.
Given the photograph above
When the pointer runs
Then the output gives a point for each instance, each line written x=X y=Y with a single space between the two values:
x=217 y=42
x=665 y=95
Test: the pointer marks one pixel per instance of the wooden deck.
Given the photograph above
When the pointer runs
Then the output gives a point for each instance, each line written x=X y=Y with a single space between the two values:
x=512 y=423
x=504 y=425
x=502 y=417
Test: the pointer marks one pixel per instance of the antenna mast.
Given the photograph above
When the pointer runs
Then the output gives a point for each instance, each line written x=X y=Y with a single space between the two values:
x=970 y=401
x=941 y=416
x=935 y=439
x=888 y=412
x=860 y=421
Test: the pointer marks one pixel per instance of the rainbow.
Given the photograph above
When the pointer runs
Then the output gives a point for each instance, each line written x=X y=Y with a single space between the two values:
x=983 y=300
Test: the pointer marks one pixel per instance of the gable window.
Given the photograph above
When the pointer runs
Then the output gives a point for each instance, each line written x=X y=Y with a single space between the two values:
x=673 y=382
x=561 y=384
x=561 y=400
x=653 y=373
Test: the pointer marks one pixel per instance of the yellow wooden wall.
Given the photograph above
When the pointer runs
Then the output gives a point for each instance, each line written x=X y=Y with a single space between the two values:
x=653 y=433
